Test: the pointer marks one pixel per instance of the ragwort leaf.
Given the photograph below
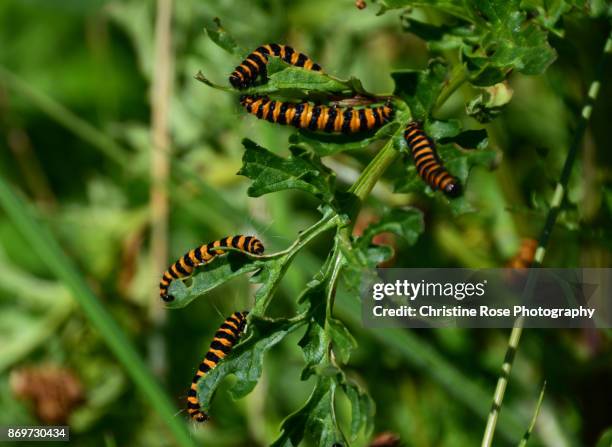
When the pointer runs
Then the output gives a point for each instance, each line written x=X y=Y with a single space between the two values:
x=209 y=276
x=420 y=88
x=316 y=418
x=405 y=222
x=246 y=359
x=223 y=39
x=362 y=408
x=283 y=78
x=272 y=173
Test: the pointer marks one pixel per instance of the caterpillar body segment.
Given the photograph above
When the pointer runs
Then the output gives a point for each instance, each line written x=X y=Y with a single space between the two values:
x=224 y=340
x=203 y=254
x=428 y=163
x=245 y=74
x=316 y=117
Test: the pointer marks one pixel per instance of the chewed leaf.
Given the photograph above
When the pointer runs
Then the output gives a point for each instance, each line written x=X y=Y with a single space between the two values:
x=246 y=359
x=209 y=276
x=223 y=39
x=272 y=173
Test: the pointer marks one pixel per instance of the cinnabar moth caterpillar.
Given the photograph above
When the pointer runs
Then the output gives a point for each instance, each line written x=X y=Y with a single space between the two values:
x=224 y=340
x=524 y=257
x=304 y=115
x=203 y=255
x=428 y=163
x=255 y=63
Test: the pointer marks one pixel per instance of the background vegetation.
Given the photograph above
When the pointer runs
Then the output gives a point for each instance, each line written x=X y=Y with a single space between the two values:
x=93 y=142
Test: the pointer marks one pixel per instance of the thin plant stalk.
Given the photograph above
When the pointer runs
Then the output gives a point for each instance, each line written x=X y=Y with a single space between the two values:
x=536 y=412
x=160 y=161
x=551 y=220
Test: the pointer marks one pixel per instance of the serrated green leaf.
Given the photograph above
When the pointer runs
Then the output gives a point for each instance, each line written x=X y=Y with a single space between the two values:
x=291 y=81
x=362 y=409
x=405 y=222
x=272 y=173
x=500 y=36
x=223 y=39
x=438 y=37
x=215 y=273
x=548 y=13
x=315 y=341
x=246 y=359
x=316 y=418
x=508 y=41
x=342 y=341
x=420 y=88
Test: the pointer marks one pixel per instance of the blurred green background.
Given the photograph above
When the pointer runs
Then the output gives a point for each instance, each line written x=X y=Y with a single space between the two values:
x=77 y=142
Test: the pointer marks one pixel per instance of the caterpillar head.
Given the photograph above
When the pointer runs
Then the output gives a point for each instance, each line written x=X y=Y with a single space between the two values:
x=258 y=248
x=167 y=297
x=200 y=417
x=453 y=189
x=235 y=81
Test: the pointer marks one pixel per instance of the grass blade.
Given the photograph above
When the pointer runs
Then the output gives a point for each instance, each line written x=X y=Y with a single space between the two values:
x=49 y=252
x=536 y=412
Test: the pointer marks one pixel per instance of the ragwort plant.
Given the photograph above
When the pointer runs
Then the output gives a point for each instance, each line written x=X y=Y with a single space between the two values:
x=474 y=43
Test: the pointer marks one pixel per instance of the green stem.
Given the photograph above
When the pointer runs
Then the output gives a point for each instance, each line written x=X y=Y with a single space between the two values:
x=49 y=251
x=458 y=76
x=372 y=172
x=536 y=412
x=551 y=220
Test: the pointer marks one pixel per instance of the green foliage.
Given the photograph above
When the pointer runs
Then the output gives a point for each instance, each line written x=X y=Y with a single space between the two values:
x=223 y=39
x=500 y=40
x=494 y=37
x=321 y=367
x=271 y=173
x=407 y=223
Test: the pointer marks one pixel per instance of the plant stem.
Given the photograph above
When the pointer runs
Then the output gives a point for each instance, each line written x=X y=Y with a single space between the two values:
x=551 y=220
x=458 y=76
x=48 y=250
x=161 y=91
x=536 y=412
x=373 y=171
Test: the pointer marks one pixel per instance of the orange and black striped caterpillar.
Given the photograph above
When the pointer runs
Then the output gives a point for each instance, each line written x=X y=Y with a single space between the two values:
x=203 y=255
x=428 y=163
x=323 y=118
x=525 y=256
x=255 y=63
x=224 y=340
